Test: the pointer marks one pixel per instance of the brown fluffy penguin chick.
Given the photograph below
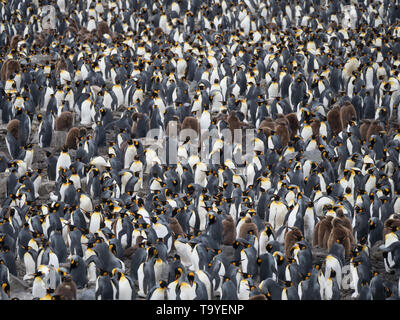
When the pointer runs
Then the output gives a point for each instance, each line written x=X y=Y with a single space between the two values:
x=374 y=128
x=14 y=41
x=61 y=65
x=333 y=118
x=258 y=297
x=294 y=125
x=66 y=290
x=191 y=123
x=175 y=227
x=364 y=129
x=158 y=32
x=390 y=225
x=267 y=123
x=72 y=139
x=12 y=128
x=272 y=26
x=267 y=126
x=9 y=68
x=316 y=233
x=315 y=125
x=281 y=119
x=129 y=252
x=323 y=228
x=291 y=237
x=84 y=34
x=340 y=234
x=228 y=231
x=347 y=114
x=40 y=40
x=64 y=122
x=283 y=132
x=102 y=28
x=346 y=223
x=248 y=227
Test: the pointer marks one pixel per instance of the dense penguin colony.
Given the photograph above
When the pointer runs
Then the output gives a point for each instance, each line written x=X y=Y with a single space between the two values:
x=296 y=209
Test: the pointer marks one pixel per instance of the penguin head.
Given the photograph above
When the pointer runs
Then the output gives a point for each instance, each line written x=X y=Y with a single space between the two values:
x=287 y=283
x=306 y=276
x=356 y=263
x=152 y=252
x=317 y=266
x=154 y=219
x=117 y=272
x=19 y=110
x=38 y=274
x=64 y=149
x=102 y=273
x=163 y=284
x=212 y=218
x=6 y=288
x=112 y=247
x=191 y=277
x=74 y=263
x=279 y=257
